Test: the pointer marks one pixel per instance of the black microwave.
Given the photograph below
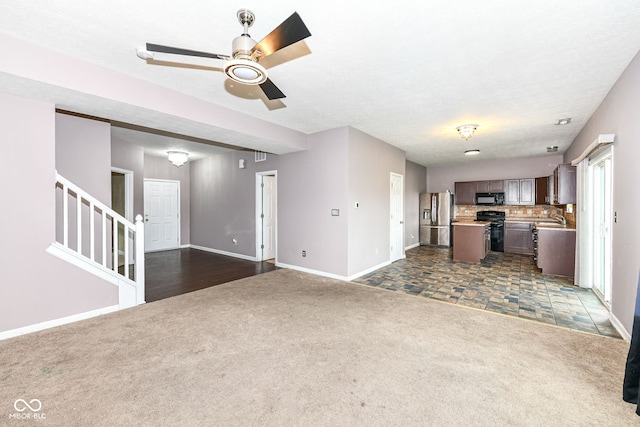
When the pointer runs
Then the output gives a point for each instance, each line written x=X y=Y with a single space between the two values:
x=489 y=199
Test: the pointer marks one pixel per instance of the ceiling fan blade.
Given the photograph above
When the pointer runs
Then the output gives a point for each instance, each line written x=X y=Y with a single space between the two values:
x=292 y=30
x=271 y=90
x=178 y=51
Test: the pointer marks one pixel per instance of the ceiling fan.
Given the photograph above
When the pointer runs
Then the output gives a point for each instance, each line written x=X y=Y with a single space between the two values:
x=242 y=66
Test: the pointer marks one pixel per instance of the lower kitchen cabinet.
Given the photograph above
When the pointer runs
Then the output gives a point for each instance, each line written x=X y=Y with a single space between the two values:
x=518 y=237
x=556 y=251
x=471 y=241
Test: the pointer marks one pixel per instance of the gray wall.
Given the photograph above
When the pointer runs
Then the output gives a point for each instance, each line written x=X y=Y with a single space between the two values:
x=415 y=183
x=223 y=203
x=83 y=154
x=619 y=113
x=38 y=287
x=161 y=168
x=341 y=167
x=442 y=178
x=371 y=162
x=310 y=184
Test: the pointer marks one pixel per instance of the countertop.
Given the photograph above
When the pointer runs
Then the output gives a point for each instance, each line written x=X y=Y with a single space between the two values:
x=470 y=223
x=554 y=227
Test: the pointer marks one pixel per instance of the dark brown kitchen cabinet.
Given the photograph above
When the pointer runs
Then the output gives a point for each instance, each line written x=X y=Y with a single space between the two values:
x=542 y=190
x=556 y=252
x=519 y=191
x=518 y=237
x=465 y=193
x=492 y=186
x=564 y=184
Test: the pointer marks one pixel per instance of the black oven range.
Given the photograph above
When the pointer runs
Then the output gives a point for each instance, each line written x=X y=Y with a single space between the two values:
x=496 y=218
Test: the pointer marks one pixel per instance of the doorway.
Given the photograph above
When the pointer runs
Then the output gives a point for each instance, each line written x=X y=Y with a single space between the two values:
x=266 y=216
x=397 y=217
x=122 y=203
x=161 y=215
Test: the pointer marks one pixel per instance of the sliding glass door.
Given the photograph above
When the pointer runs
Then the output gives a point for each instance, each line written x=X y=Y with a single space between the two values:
x=601 y=196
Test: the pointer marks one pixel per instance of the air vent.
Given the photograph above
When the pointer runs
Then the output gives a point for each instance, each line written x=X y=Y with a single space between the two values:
x=261 y=156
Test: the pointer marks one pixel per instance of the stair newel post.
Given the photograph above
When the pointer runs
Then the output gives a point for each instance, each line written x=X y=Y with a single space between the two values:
x=139 y=259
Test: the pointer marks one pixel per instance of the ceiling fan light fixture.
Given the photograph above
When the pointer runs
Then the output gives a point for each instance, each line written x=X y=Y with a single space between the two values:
x=466 y=131
x=245 y=71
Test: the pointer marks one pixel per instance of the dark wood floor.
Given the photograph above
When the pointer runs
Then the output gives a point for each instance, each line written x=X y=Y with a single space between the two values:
x=175 y=272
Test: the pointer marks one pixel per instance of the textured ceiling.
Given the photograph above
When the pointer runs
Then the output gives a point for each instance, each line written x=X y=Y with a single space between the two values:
x=406 y=72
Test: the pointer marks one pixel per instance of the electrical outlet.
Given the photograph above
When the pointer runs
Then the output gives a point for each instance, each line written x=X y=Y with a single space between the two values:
x=304 y=253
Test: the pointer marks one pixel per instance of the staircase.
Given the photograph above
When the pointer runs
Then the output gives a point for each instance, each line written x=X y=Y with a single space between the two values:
x=97 y=239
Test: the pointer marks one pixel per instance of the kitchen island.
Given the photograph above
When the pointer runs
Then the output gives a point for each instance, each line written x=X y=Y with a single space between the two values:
x=471 y=240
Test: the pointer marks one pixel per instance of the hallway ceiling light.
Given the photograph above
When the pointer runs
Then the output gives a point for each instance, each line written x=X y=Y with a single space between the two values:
x=178 y=158
x=472 y=152
x=563 y=122
x=466 y=131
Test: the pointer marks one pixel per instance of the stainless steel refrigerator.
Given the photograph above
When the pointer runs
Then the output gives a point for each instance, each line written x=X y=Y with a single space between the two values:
x=436 y=214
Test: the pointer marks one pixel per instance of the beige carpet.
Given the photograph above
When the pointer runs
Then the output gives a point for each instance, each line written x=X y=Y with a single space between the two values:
x=288 y=348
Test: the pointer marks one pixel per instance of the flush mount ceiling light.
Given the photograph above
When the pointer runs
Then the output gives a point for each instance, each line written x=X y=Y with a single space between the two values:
x=466 y=131
x=472 y=152
x=552 y=149
x=178 y=158
x=563 y=122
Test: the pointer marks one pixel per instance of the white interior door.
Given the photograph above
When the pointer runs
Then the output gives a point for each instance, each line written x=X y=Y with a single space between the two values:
x=397 y=217
x=161 y=215
x=266 y=216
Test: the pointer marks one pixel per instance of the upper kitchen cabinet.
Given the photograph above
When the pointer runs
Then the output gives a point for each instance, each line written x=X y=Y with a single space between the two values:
x=542 y=191
x=520 y=191
x=562 y=190
x=493 y=186
x=465 y=193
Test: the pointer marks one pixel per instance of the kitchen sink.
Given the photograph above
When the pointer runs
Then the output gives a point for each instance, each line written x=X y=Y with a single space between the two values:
x=550 y=224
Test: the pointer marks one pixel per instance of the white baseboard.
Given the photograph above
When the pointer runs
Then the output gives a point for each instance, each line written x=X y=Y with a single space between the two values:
x=619 y=327
x=57 y=322
x=219 y=252
x=331 y=275
x=415 y=245
x=311 y=271
x=370 y=270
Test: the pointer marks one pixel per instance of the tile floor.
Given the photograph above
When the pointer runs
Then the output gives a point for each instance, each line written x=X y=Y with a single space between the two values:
x=504 y=283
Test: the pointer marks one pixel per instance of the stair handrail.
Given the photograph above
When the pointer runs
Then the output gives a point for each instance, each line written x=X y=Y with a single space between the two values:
x=133 y=233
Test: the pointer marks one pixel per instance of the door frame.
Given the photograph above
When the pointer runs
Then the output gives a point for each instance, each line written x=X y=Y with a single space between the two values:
x=606 y=155
x=128 y=191
x=179 y=227
x=259 y=210
x=392 y=228
x=128 y=204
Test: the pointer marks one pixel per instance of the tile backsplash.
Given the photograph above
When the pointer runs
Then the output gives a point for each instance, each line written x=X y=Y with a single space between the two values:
x=525 y=212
